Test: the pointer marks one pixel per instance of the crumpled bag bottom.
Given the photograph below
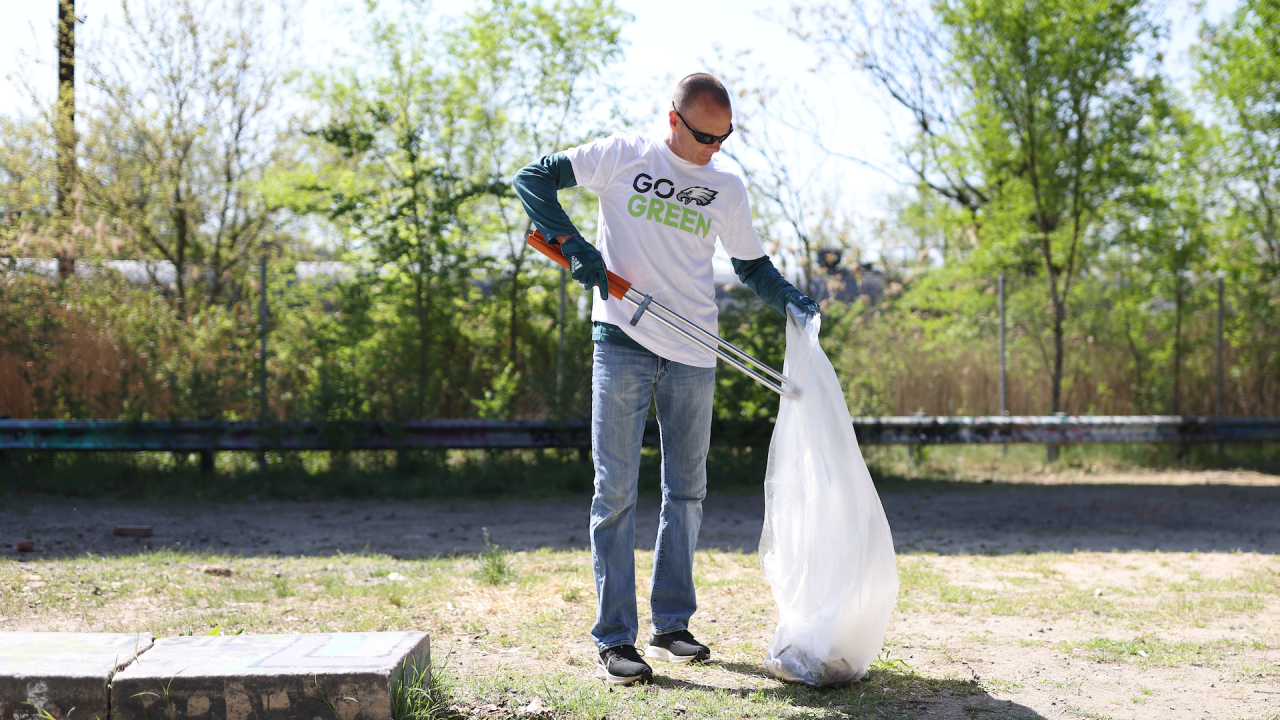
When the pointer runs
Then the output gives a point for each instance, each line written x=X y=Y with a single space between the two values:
x=792 y=665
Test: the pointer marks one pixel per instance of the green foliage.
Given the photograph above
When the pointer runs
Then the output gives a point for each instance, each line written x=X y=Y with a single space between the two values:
x=1048 y=146
x=495 y=566
x=1053 y=125
x=109 y=349
x=27 y=177
x=1068 y=163
x=422 y=691
x=761 y=332
x=184 y=122
x=1238 y=71
x=419 y=138
x=497 y=399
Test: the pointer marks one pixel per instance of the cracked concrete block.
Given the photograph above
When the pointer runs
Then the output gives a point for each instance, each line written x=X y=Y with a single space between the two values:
x=321 y=676
x=62 y=674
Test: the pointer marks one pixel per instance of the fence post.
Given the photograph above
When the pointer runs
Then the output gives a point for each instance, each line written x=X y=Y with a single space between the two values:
x=1000 y=286
x=914 y=451
x=262 y=364
x=560 y=351
x=1004 y=411
x=206 y=454
x=1218 y=399
x=1051 y=449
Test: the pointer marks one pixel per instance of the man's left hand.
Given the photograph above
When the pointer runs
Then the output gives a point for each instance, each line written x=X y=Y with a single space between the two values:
x=804 y=302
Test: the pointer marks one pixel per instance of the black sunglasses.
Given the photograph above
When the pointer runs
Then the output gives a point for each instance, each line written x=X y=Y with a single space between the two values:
x=702 y=137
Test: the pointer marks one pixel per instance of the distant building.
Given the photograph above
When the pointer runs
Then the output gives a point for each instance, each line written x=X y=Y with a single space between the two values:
x=833 y=281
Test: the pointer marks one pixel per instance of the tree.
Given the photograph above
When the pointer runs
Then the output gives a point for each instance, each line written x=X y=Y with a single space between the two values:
x=537 y=71
x=401 y=156
x=1238 y=75
x=904 y=52
x=425 y=132
x=1040 y=106
x=28 y=182
x=1238 y=70
x=187 y=122
x=1160 y=253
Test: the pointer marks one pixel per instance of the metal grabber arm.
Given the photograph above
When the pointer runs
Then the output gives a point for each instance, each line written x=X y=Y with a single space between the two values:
x=621 y=289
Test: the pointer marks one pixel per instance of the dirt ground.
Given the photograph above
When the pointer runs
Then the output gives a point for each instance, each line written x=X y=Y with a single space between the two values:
x=1140 y=538
x=1205 y=512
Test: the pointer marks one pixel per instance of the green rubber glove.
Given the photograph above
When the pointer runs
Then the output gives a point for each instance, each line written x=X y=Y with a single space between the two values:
x=586 y=264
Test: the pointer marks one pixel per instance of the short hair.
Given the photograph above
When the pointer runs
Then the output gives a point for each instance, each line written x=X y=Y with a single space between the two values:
x=697 y=86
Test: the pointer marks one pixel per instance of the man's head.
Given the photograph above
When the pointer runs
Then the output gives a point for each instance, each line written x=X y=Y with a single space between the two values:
x=700 y=110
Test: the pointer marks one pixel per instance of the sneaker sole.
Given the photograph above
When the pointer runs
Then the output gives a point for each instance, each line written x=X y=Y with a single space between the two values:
x=612 y=679
x=658 y=653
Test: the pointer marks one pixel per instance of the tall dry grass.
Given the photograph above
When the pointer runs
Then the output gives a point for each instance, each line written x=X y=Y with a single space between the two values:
x=106 y=349
x=891 y=367
x=79 y=360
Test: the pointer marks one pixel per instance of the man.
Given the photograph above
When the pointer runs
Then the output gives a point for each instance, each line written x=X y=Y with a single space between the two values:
x=663 y=203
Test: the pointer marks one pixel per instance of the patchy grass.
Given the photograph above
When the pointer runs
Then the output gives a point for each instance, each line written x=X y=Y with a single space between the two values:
x=1152 y=593
x=892 y=690
x=510 y=630
x=497 y=647
x=1151 y=651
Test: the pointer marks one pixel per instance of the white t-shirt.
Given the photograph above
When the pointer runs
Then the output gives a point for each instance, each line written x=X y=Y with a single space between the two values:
x=660 y=216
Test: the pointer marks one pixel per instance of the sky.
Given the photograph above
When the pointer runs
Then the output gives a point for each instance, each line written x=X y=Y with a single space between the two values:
x=667 y=40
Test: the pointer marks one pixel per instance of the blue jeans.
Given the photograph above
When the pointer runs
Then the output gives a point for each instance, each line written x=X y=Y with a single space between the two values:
x=622 y=382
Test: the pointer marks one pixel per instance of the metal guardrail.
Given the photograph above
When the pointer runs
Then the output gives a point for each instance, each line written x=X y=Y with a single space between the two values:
x=217 y=435
x=1065 y=430
x=220 y=435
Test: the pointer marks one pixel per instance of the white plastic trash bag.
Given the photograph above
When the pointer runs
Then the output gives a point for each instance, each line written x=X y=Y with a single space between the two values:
x=826 y=547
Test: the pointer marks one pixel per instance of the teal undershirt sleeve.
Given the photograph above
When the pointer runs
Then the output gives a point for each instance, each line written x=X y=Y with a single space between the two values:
x=763 y=279
x=536 y=184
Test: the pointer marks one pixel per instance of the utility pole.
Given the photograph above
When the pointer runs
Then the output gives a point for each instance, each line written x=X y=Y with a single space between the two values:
x=65 y=135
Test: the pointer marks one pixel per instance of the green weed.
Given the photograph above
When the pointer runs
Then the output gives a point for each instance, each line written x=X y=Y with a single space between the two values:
x=495 y=566
x=422 y=691
x=571 y=593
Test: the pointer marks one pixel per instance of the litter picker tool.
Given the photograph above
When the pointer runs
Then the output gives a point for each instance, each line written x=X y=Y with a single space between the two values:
x=621 y=289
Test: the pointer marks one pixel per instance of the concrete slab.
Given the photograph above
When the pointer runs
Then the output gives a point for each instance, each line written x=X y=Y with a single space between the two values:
x=322 y=676
x=62 y=674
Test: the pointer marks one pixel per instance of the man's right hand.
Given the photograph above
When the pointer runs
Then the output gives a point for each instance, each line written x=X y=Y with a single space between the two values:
x=586 y=264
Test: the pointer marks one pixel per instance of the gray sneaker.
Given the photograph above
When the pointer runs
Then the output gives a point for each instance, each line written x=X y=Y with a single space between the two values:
x=622 y=665
x=678 y=646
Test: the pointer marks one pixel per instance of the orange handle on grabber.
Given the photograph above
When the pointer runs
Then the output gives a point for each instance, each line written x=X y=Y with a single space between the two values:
x=618 y=287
